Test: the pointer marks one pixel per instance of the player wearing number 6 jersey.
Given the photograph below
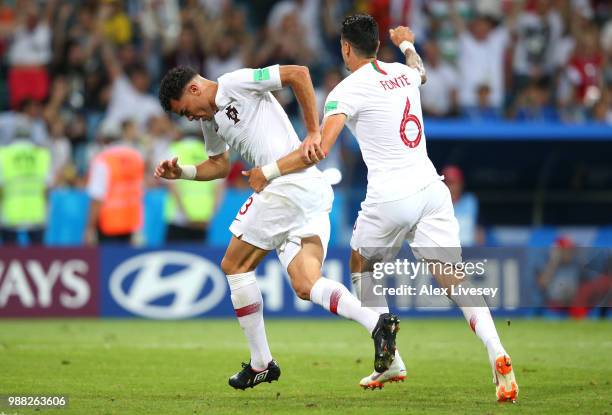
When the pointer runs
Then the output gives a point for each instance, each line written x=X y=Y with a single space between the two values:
x=291 y=216
x=406 y=199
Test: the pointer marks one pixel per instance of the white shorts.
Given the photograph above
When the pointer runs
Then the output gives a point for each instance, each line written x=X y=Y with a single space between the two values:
x=283 y=213
x=425 y=219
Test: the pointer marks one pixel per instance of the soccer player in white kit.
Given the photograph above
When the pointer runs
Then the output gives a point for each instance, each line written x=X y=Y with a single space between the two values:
x=291 y=216
x=406 y=199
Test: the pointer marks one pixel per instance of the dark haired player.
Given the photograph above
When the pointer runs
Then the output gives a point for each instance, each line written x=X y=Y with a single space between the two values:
x=406 y=199
x=291 y=216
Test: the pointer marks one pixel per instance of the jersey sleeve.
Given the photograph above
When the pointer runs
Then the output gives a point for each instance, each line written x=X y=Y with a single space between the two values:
x=341 y=101
x=214 y=143
x=253 y=80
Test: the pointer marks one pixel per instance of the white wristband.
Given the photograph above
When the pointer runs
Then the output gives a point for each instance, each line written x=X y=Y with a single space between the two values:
x=188 y=172
x=405 y=45
x=271 y=171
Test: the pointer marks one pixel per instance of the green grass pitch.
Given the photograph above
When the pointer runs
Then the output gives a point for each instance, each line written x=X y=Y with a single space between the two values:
x=148 y=367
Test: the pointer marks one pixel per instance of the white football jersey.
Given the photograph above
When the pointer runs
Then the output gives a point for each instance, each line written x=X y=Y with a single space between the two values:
x=251 y=121
x=382 y=105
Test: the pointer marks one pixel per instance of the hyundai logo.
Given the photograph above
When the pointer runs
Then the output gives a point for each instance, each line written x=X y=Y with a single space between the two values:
x=184 y=285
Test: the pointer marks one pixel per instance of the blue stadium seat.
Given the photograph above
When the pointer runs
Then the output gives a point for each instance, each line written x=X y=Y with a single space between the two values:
x=68 y=209
x=154 y=224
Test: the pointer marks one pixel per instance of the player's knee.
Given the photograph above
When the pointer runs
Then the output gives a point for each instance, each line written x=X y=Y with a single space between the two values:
x=302 y=289
x=231 y=267
x=355 y=262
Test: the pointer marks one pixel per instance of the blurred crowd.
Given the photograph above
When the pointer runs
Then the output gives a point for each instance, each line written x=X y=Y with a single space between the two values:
x=78 y=76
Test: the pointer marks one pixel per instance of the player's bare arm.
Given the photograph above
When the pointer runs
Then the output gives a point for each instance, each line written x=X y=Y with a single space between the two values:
x=216 y=167
x=402 y=34
x=295 y=161
x=298 y=78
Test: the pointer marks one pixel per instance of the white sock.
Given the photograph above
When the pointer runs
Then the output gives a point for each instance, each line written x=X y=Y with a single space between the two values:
x=365 y=278
x=248 y=306
x=335 y=297
x=481 y=322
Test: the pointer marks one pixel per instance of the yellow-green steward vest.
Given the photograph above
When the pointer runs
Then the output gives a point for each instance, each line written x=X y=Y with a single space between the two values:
x=24 y=171
x=198 y=197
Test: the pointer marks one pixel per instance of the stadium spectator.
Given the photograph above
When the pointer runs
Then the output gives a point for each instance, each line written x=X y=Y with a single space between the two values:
x=305 y=13
x=560 y=278
x=481 y=57
x=409 y=13
x=129 y=97
x=594 y=293
x=132 y=136
x=279 y=44
x=574 y=280
x=465 y=206
x=534 y=103
x=116 y=187
x=226 y=56
x=190 y=205
x=7 y=19
x=584 y=69
x=538 y=33
x=62 y=169
x=188 y=51
x=159 y=135
x=160 y=27
x=440 y=25
x=484 y=110
x=25 y=176
x=29 y=53
x=115 y=23
x=439 y=94
x=29 y=113
x=333 y=11
x=602 y=111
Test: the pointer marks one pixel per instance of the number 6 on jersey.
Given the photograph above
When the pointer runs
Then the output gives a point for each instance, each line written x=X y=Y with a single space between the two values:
x=405 y=120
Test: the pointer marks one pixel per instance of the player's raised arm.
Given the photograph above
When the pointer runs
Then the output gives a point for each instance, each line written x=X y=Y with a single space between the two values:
x=215 y=167
x=403 y=38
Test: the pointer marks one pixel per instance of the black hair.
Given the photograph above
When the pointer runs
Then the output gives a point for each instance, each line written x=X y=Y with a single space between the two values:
x=173 y=85
x=361 y=31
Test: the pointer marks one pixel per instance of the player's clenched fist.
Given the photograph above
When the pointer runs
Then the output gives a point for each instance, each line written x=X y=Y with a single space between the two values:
x=401 y=33
x=169 y=169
